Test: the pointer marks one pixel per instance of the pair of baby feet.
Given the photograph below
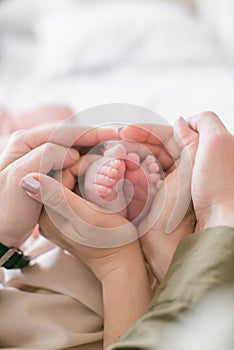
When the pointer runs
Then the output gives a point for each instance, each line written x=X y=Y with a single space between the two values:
x=122 y=183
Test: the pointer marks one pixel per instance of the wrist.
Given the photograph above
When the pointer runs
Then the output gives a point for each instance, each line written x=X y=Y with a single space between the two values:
x=159 y=258
x=219 y=215
x=10 y=241
x=116 y=262
x=159 y=255
x=126 y=287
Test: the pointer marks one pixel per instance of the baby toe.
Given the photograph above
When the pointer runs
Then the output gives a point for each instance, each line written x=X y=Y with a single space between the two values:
x=104 y=180
x=132 y=161
x=153 y=167
x=103 y=191
x=150 y=160
x=115 y=163
x=117 y=151
x=108 y=171
x=159 y=184
x=154 y=178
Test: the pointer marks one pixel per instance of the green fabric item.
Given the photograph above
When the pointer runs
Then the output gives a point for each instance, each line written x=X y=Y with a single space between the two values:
x=203 y=262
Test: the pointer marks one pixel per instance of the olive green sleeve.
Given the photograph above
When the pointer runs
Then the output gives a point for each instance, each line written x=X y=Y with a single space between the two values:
x=202 y=262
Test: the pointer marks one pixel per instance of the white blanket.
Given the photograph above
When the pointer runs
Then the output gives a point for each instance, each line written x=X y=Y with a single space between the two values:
x=83 y=53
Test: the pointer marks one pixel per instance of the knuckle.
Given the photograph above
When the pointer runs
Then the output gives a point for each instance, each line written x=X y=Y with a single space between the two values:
x=53 y=149
x=54 y=199
x=48 y=147
x=209 y=114
x=48 y=153
x=18 y=135
x=52 y=156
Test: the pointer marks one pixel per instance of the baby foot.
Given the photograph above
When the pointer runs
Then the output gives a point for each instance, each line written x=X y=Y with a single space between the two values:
x=146 y=181
x=104 y=181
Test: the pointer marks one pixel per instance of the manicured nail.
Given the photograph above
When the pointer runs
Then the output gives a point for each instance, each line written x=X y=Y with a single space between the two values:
x=74 y=154
x=30 y=184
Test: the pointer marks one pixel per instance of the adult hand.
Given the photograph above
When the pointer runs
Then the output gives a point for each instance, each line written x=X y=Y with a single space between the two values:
x=106 y=242
x=82 y=222
x=89 y=232
x=171 y=217
x=39 y=149
x=160 y=140
x=212 y=182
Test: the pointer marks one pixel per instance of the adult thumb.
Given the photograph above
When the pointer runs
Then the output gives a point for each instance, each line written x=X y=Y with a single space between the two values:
x=52 y=194
x=183 y=173
x=90 y=224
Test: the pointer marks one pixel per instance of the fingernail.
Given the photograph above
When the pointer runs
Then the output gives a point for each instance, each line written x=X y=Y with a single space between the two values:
x=74 y=154
x=184 y=121
x=30 y=184
x=120 y=130
x=110 y=143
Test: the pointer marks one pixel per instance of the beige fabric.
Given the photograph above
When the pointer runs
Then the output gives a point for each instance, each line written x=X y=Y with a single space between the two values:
x=54 y=304
x=203 y=262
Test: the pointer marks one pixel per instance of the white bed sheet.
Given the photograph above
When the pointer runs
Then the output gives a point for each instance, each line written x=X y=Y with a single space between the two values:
x=150 y=53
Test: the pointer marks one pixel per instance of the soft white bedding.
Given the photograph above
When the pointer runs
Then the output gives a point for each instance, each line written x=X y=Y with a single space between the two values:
x=83 y=53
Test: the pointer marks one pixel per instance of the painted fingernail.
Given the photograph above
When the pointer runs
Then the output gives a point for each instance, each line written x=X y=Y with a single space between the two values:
x=30 y=184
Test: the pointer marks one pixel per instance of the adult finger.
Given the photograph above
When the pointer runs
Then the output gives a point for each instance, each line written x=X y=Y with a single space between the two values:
x=150 y=133
x=187 y=137
x=74 y=216
x=153 y=135
x=44 y=159
x=184 y=173
x=75 y=174
x=144 y=149
x=172 y=201
x=207 y=124
x=67 y=134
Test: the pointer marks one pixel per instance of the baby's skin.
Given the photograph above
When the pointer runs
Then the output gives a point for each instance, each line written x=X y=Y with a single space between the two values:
x=122 y=183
